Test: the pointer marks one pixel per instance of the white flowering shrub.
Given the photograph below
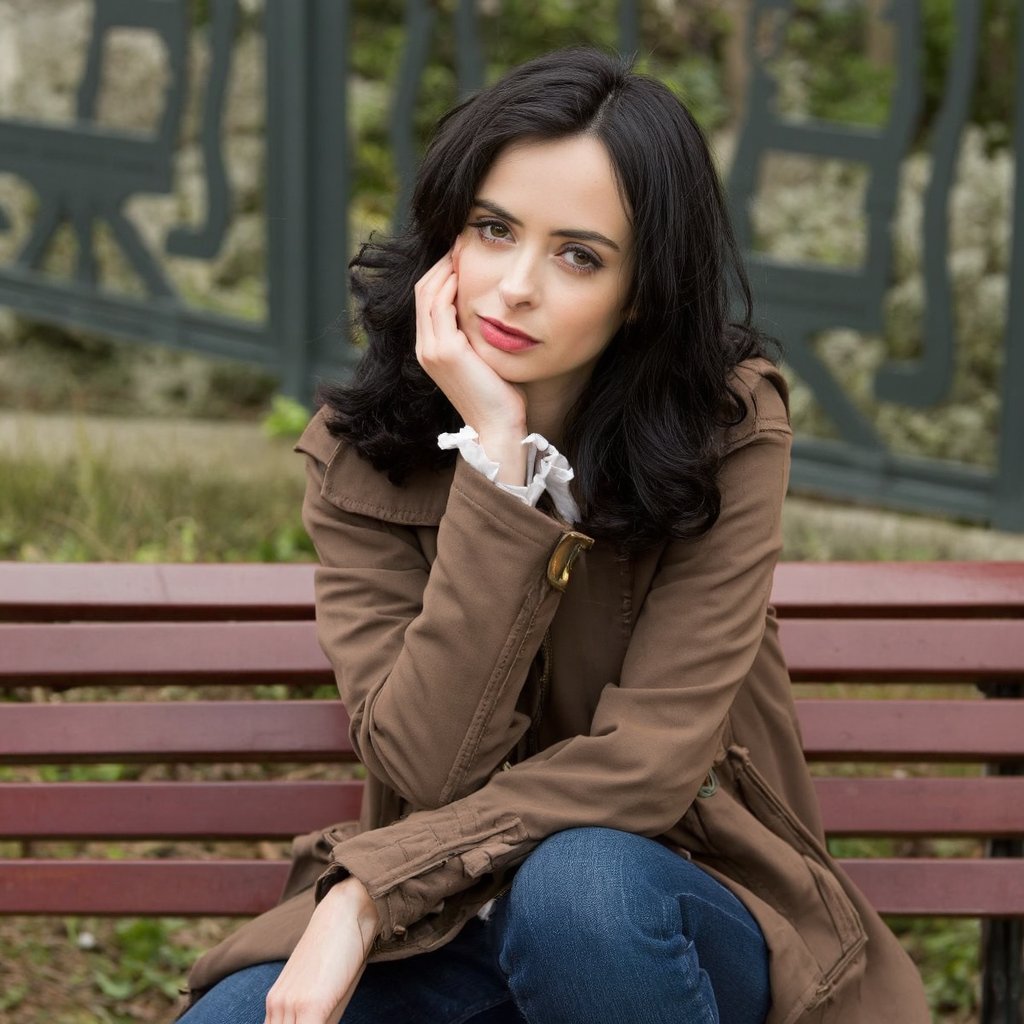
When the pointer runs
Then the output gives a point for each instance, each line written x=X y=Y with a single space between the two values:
x=812 y=211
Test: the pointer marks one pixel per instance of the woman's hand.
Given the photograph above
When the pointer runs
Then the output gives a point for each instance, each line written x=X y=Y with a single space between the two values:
x=322 y=973
x=495 y=408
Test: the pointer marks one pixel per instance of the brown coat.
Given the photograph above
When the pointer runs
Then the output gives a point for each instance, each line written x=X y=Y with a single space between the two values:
x=492 y=709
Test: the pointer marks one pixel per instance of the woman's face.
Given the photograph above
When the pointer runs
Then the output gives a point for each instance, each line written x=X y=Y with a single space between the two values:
x=546 y=252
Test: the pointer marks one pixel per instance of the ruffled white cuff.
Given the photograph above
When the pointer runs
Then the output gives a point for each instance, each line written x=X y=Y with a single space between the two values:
x=546 y=469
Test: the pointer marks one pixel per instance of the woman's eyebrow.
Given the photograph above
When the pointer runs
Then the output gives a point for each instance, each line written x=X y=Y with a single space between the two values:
x=580 y=233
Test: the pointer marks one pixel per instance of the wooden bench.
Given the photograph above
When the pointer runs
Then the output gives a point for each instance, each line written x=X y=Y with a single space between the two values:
x=68 y=627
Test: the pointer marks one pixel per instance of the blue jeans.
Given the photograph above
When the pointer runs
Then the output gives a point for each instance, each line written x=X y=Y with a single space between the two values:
x=599 y=926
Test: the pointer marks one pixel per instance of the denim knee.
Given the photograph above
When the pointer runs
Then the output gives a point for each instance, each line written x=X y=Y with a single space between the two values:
x=584 y=883
x=240 y=998
x=600 y=923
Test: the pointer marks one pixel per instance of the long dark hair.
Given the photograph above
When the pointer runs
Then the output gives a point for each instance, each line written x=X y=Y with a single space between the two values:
x=643 y=436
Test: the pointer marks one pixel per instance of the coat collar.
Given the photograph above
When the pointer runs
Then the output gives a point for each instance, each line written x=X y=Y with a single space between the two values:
x=352 y=484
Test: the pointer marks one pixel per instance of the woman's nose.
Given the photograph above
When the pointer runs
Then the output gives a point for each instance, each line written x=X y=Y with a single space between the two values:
x=518 y=285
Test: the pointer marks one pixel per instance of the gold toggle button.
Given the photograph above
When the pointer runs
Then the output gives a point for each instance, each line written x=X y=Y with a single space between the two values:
x=567 y=550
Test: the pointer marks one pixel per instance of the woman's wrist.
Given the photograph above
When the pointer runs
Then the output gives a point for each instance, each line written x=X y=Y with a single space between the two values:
x=504 y=445
x=350 y=897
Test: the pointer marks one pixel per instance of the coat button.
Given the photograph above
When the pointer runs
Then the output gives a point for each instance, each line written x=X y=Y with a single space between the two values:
x=710 y=786
x=567 y=550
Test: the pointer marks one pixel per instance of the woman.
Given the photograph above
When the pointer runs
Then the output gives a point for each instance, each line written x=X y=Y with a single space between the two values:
x=547 y=511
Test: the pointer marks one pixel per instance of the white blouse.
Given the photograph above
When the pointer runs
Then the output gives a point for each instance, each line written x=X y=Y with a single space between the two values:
x=546 y=469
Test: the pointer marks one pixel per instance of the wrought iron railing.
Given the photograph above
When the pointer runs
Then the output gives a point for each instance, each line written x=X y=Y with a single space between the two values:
x=85 y=173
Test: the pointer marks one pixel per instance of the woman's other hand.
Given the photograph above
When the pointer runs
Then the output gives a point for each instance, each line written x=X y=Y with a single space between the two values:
x=322 y=973
x=487 y=402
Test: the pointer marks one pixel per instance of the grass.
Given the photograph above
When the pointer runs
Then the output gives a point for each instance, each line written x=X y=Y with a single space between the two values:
x=89 y=509
x=94 y=970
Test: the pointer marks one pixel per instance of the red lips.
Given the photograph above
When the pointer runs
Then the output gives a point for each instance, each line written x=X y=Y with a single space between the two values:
x=508 y=339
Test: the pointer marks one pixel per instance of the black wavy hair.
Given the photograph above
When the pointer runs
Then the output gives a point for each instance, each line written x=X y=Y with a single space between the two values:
x=643 y=438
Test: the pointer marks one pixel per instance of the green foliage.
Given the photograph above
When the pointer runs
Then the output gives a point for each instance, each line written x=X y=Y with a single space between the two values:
x=947 y=951
x=522 y=29
x=681 y=50
x=88 y=772
x=825 y=73
x=830 y=76
x=10 y=999
x=697 y=80
x=852 y=90
x=92 y=509
x=858 y=847
x=992 y=99
x=289 y=542
x=145 y=958
x=287 y=418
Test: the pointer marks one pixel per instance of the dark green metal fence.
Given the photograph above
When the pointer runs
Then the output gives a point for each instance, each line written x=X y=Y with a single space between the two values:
x=85 y=172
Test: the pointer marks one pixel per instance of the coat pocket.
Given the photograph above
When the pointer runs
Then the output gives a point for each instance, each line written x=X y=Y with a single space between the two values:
x=748 y=833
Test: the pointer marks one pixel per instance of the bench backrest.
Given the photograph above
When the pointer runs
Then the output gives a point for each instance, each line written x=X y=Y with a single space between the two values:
x=76 y=640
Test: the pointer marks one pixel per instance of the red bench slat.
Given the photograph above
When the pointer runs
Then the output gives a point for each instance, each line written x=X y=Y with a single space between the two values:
x=233 y=887
x=953 y=888
x=943 y=650
x=912 y=730
x=957 y=589
x=964 y=888
x=161 y=653
x=175 y=731
x=986 y=806
x=308 y=730
x=949 y=650
x=173 y=810
x=50 y=592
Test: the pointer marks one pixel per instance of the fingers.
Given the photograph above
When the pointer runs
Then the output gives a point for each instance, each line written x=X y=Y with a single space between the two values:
x=288 y=1008
x=426 y=291
x=442 y=310
x=438 y=338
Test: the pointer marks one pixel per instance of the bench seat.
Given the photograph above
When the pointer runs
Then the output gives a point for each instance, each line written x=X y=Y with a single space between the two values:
x=908 y=678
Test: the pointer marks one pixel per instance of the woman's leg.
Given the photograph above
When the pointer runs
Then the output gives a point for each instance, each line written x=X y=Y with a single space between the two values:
x=460 y=983
x=240 y=998
x=603 y=925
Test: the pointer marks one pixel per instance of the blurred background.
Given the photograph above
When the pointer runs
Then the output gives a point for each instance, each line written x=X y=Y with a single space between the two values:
x=182 y=183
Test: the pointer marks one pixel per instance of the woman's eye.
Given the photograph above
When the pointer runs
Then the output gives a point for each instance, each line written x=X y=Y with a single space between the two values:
x=581 y=259
x=491 y=230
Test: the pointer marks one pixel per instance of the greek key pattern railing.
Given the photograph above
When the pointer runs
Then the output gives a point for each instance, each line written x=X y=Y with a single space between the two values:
x=804 y=300
x=85 y=174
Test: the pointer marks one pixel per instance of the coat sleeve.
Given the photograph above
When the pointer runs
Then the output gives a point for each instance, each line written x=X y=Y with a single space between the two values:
x=654 y=735
x=430 y=659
